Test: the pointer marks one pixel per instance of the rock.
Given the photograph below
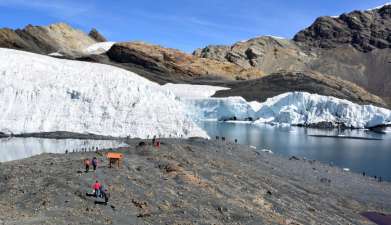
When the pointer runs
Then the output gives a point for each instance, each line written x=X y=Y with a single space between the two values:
x=55 y=38
x=140 y=204
x=294 y=158
x=94 y=34
x=364 y=30
x=174 y=63
x=325 y=180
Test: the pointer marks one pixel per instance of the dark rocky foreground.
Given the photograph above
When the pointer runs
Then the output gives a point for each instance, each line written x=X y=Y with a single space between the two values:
x=187 y=182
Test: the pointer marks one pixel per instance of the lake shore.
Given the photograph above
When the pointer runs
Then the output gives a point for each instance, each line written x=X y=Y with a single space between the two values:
x=193 y=181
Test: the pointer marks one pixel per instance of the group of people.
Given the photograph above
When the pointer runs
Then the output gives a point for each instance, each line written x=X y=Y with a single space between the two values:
x=98 y=190
x=93 y=162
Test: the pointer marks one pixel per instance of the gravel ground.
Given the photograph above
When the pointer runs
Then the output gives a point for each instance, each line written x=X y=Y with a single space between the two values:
x=191 y=181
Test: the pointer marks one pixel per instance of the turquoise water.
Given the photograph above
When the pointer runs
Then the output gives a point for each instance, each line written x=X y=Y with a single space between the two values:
x=370 y=156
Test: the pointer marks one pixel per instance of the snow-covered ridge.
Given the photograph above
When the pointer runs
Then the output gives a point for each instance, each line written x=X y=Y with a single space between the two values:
x=44 y=94
x=379 y=7
x=98 y=48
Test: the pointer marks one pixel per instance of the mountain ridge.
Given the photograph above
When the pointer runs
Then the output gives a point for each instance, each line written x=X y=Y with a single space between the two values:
x=317 y=49
x=355 y=50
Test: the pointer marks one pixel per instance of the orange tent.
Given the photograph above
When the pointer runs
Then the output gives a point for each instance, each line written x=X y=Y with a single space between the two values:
x=114 y=158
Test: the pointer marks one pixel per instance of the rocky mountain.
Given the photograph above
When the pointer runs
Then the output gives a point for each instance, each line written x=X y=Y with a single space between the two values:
x=364 y=30
x=267 y=53
x=56 y=38
x=354 y=46
x=174 y=64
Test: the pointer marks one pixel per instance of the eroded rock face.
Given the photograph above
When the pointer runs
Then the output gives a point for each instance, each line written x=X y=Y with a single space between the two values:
x=364 y=30
x=176 y=63
x=94 y=34
x=312 y=82
x=268 y=54
x=58 y=37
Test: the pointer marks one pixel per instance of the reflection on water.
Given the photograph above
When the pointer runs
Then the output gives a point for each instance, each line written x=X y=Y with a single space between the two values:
x=371 y=156
x=19 y=148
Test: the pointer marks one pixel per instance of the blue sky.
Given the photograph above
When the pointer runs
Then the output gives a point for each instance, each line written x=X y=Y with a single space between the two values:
x=182 y=24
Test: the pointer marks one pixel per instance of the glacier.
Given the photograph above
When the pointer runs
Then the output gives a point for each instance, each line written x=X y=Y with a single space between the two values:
x=301 y=108
x=201 y=106
x=44 y=94
x=292 y=108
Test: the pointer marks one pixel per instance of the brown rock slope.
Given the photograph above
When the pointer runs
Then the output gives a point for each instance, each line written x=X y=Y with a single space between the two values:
x=268 y=54
x=174 y=63
x=59 y=37
x=354 y=47
x=312 y=82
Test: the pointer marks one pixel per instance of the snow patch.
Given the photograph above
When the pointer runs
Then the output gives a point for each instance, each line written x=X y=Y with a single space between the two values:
x=193 y=91
x=98 y=48
x=44 y=94
x=275 y=37
x=56 y=54
x=379 y=7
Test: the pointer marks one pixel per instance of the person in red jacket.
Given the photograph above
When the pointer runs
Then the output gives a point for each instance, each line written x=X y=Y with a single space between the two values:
x=96 y=187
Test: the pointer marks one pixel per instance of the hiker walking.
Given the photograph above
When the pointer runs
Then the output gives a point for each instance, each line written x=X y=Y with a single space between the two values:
x=105 y=195
x=157 y=143
x=153 y=140
x=87 y=165
x=94 y=163
x=96 y=187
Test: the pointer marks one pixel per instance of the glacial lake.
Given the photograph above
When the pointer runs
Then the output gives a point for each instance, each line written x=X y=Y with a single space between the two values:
x=20 y=148
x=371 y=156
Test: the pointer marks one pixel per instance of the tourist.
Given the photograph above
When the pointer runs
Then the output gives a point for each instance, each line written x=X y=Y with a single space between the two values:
x=87 y=165
x=94 y=163
x=158 y=143
x=153 y=140
x=96 y=187
x=105 y=195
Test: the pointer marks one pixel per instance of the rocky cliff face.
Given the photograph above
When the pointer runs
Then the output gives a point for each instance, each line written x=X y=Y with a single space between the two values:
x=59 y=37
x=268 y=54
x=364 y=30
x=174 y=63
x=355 y=47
